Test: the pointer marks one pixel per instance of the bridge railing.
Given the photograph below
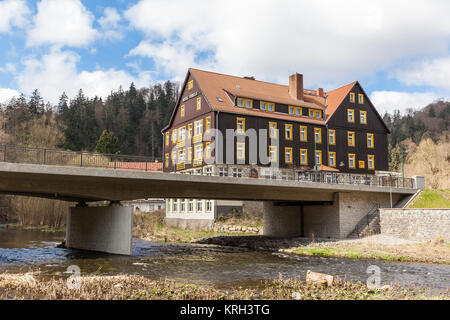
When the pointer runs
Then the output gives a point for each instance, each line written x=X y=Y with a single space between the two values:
x=18 y=154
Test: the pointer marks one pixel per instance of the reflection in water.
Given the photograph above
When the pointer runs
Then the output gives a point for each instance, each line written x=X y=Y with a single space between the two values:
x=221 y=267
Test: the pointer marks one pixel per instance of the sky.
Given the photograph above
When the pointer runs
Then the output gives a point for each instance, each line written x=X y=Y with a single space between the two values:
x=398 y=50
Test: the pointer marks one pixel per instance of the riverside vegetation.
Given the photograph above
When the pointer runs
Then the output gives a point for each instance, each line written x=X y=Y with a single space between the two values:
x=131 y=287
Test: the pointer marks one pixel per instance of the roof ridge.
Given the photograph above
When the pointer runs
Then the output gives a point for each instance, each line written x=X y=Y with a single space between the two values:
x=353 y=83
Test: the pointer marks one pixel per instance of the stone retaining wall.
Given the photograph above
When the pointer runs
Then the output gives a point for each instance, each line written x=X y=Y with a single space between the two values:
x=218 y=227
x=416 y=224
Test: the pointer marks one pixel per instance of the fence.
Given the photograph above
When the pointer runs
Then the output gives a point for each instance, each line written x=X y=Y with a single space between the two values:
x=17 y=154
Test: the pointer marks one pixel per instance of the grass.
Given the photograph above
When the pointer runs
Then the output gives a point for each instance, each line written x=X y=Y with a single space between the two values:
x=432 y=198
x=151 y=227
x=430 y=252
x=131 y=287
x=17 y=226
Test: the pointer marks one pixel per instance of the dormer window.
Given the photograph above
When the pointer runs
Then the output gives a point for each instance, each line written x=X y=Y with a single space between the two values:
x=297 y=111
x=247 y=103
x=267 y=106
x=315 y=113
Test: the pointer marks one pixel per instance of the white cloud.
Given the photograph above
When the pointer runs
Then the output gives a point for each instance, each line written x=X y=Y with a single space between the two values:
x=430 y=72
x=57 y=72
x=8 y=68
x=13 y=13
x=388 y=101
x=329 y=41
x=7 y=94
x=62 y=22
x=109 y=24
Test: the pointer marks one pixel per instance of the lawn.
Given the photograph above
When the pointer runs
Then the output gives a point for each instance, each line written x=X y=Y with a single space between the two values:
x=432 y=198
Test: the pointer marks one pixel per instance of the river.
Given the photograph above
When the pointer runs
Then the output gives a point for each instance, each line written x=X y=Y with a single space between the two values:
x=220 y=267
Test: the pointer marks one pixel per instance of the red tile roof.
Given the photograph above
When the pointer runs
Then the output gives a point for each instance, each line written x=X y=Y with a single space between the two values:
x=335 y=98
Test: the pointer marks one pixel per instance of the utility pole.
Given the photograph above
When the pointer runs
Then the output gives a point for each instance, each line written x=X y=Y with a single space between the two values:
x=403 y=169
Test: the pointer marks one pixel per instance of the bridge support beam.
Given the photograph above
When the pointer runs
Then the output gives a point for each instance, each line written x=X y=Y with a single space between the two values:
x=103 y=229
x=281 y=221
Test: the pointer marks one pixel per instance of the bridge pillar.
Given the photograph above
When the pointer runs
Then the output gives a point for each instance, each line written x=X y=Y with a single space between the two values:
x=103 y=229
x=281 y=221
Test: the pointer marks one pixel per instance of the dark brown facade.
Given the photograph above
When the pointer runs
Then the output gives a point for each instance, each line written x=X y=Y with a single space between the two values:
x=355 y=157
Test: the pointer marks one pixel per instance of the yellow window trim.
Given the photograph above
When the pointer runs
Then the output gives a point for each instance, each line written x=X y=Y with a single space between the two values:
x=182 y=111
x=174 y=136
x=167 y=156
x=320 y=135
x=320 y=162
x=373 y=141
x=189 y=130
x=370 y=156
x=294 y=111
x=267 y=105
x=276 y=153
x=348 y=115
x=207 y=151
x=313 y=112
x=290 y=159
x=208 y=122
x=243 y=148
x=334 y=137
x=306 y=157
x=329 y=163
x=365 y=116
x=351 y=134
x=179 y=153
x=285 y=131
x=352 y=97
x=360 y=98
x=243 y=125
x=189 y=154
x=244 y=100
x=306 y=133
x=190 y=84
x=181 y=143
x=354 y=160
x=361 y=164
x=167 y=138
x=199 y=104
x=195 y=152
x=275 y=130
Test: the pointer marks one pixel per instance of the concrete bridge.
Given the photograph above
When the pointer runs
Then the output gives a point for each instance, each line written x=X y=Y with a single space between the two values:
x=291 y=208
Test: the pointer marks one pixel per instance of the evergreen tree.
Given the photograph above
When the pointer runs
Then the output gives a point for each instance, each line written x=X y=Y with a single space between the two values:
x=107 y=143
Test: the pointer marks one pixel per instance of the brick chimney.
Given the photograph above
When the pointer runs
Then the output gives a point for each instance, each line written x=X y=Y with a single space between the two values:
x=296 y=86
x=320 y=92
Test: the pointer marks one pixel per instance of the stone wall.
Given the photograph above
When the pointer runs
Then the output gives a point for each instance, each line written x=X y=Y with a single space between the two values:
x=219 y=227
x=416 y=224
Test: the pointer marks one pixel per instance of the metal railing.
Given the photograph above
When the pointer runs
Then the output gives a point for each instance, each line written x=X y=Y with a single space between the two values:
x=28 y=155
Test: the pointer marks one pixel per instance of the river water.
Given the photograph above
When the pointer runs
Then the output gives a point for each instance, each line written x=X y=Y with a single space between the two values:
x=220 y=267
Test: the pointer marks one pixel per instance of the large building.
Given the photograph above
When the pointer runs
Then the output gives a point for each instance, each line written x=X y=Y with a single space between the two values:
x=297 y=131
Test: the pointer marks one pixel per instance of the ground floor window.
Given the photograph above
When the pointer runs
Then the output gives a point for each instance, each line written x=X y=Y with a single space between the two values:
x=208 y=205
x=237 y=173
x=191 y=206
x=199 y=205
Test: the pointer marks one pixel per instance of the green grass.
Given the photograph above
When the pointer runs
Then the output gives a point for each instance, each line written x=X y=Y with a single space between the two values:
x=16 y=226
x=432 y=198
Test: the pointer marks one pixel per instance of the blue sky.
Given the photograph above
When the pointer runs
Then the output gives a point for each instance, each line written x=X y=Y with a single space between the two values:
x=398 y=50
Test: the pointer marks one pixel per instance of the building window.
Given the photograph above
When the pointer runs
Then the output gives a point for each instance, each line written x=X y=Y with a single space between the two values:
x=361 y=164
x=363 y=117
x=332 y=159
x=199 y=205
x=208 y=205
x=351 y=160
x=371 y=162
x=288 y=155
x=351 y=138
x=360 y=98
x=272 y=129
x=240 y=150
x=304 y=157
x=318 y=135
x=208 y=151
x=174 y=157
x=191 y=206
x=199 y=152
x=240 y=126
x=167 y=160
x=182 y=134
x=189 y=154
x=291 y=110
x=315 y=113
x=182 y=111
x=267 y=106
x=191 y=85
x=183 y=205
x=351 y=115
x=352 y=97
x=332 y=137
x=303 y=133
x=182 y=156
x=318 y=157
x=288 y=131
x=199 y=103
x=247 y=103
x=272 y=153
x=198 y=127
x=208 y=123
x=190 y=130
x=370 y=141
x=223 y=172
x=237 y=173
x=208 y=171
x=174 y=136
x=167 y=138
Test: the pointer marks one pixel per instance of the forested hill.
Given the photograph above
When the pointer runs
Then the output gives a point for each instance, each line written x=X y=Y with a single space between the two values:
x=133 y=118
